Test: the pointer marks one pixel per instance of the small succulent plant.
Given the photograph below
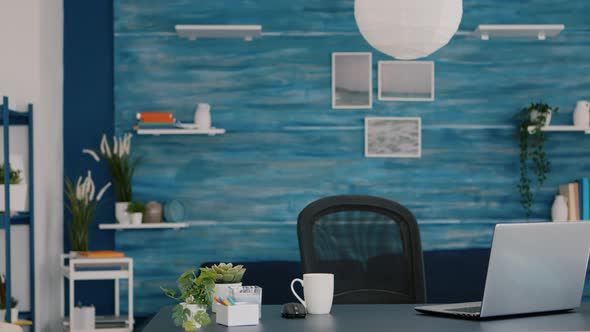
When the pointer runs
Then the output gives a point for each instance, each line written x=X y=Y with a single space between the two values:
x=226 y=273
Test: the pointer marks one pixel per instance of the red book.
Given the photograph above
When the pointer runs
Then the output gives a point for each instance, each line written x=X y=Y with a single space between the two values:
x=161 y=117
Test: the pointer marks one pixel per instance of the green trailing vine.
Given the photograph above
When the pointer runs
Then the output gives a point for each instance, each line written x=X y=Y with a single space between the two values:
x=534 y=165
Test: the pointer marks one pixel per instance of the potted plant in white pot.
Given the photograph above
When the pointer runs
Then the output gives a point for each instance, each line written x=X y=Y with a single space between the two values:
x=81 y=203
x=226 y=275
x=18 y=190
x=13 y=303
x=122 y=167
x=136 y=210
x=196 y=294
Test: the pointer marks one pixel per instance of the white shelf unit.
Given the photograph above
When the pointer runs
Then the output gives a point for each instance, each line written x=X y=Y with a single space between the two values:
x=181 y=131
x=161 y=225
x=539 y=31
x=116 y=269
x=563 y=129
x=194 y=32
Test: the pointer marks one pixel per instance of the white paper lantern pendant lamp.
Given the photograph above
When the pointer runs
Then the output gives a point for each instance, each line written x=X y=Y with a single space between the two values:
x=408 y=29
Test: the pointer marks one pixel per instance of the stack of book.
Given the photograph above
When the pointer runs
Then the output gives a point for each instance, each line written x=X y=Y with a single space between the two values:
x=155 y=120
x=578 y=199
x=101 y=254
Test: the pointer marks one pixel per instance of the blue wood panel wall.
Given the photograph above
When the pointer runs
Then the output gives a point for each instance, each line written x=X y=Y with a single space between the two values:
x=285 y=147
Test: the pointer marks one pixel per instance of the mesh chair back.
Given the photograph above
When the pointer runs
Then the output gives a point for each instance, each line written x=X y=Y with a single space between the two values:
x=371 y=245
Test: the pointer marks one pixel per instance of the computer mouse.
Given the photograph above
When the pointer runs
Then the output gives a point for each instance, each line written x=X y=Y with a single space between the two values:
x=294 y=310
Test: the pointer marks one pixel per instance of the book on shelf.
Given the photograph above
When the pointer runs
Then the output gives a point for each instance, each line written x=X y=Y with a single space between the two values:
x=571 y=194
x=584 y=186
x=155 y=117
x=101 y=254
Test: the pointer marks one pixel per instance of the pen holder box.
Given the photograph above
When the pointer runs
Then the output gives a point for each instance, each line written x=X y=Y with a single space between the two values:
x=241 y=314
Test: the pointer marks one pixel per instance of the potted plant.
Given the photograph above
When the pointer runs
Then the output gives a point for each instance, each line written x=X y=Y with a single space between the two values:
x=195 y=297
x=136 y=210
x=13 y=303
x=122 y=167
x=81 y=203
x=18 y=190
x=226 y=275
x=534 y=164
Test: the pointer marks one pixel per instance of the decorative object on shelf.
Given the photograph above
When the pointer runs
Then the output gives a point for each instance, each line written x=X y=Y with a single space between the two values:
x=174 y=211
x=226 y=275
x=13 y=302
x=203 y=116
x=393 y=137
x=408 y=29
x=532 y=150
x=155 y=120
x=153 y=213
x=122 y=167
x=559 y=209
x=406 y=80
x=136 y=210
x=193 y=32
x=81 y=203
x=18 y=190
x=85 y=318
x=196 y=294
x=582 y=114
x=539 y=31
x=352 y=80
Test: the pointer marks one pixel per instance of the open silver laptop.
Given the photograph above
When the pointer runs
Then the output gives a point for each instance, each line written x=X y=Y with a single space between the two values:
x=533 y=268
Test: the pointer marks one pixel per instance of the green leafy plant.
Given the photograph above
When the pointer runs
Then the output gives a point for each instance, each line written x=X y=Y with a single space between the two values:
x=81 y=203
x=136 y=207
x=193 y=290
x=13 y=301
x=15 y=175
x=121 y=165
x=534 y=164
x=226 y=273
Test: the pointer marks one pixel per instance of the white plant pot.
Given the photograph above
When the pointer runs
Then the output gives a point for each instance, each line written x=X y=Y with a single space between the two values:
x=19 y=198
x=136 y=218
x=121 y=212
x=222 y=290
x=535 y=114
x=193 y=308
x=13 y=315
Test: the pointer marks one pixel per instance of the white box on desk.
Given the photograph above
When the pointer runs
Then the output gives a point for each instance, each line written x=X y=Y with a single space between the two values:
x=241 y=314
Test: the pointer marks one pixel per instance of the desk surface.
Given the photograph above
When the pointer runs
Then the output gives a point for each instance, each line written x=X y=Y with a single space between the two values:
x=399 y=317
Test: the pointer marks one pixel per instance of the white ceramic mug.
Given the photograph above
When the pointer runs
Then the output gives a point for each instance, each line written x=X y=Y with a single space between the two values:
x=318 y=291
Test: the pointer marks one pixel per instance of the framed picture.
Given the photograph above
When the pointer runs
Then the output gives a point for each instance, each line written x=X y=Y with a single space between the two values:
x=406 y=80
x=393 y=137
x=352 y=80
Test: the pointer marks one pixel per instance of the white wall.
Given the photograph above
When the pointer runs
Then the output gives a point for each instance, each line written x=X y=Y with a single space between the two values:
x=31 y=71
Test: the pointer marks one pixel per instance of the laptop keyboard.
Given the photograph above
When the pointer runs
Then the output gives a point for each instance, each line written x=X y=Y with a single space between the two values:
x=466 y=312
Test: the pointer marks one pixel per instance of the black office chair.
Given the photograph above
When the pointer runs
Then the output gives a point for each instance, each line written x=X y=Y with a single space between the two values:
x=370 y=244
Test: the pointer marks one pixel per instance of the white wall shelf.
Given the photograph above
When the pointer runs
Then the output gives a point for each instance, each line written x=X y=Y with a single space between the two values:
x=539 y=31
x=194 y=32
x=563 y=129
x=181 y=131
x=161 y=225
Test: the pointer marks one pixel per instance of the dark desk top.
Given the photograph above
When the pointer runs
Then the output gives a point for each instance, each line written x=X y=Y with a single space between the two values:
x=390 y=317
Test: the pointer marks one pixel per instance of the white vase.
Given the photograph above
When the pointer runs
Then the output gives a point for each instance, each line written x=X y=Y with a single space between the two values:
x=559 y=210
x=121 y=212
x=193 y=309
x=222 y=290
x=19 y=198
x=203 y=116
x=535 y=114
x=582 y=114
x=13 y=315
x=136 y=218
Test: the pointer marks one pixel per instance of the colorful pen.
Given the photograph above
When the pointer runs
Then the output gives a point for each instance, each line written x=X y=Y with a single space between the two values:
x=231 y=300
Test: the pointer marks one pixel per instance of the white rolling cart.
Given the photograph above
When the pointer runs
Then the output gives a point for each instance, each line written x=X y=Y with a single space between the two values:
x=82 y=268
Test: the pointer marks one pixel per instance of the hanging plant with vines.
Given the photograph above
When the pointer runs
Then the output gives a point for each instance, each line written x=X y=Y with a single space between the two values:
x=534 y=165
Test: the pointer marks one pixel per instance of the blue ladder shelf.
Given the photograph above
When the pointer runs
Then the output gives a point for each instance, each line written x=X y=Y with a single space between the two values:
x=10 y=118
